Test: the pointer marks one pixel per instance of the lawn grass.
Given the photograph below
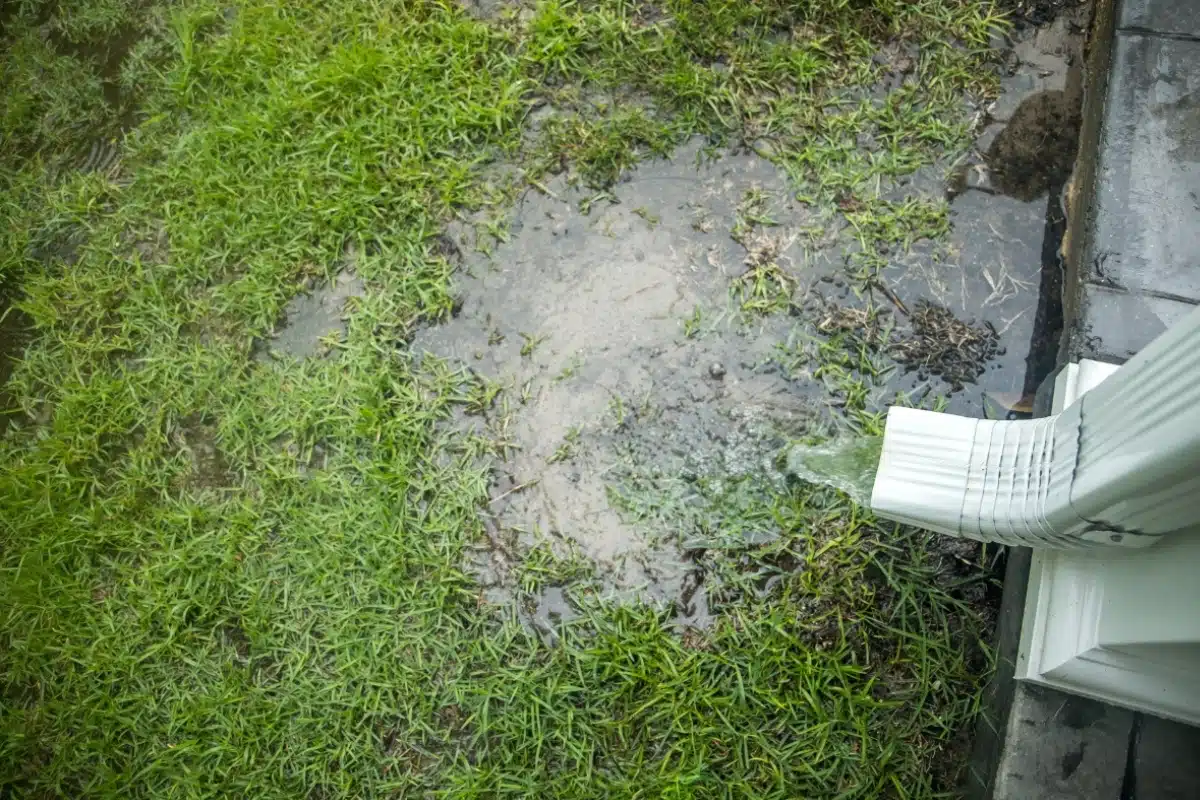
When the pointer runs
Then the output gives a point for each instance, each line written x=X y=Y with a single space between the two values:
x=223 y=575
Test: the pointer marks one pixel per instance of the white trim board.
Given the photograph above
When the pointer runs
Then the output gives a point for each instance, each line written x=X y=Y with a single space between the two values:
x=1118 y=625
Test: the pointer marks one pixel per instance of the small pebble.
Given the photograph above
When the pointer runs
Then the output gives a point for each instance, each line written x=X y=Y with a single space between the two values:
x=716 y=371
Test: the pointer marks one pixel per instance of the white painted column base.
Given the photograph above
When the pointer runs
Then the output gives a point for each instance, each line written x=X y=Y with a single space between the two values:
x=1117 y=625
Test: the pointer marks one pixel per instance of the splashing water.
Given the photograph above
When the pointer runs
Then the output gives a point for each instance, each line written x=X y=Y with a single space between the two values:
x=846 y=463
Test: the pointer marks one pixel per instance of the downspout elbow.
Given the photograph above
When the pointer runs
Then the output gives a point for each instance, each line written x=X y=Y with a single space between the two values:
x=993 y=481
x=1118 y=466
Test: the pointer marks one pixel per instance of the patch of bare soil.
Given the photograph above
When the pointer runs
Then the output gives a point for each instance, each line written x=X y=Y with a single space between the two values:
x=196 y=437
x=637 y=338
x=615 y=334
x=315 y=315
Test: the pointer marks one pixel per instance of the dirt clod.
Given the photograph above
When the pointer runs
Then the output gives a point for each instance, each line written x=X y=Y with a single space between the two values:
x=944 y=345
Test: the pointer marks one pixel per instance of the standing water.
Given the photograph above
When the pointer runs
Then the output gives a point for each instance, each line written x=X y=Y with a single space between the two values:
x=846 y=463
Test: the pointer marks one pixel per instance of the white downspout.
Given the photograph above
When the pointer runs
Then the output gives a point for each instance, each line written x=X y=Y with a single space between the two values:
x=1121 y=466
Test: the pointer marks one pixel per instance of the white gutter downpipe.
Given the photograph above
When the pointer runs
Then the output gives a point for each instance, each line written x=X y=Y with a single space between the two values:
x=1119 y=467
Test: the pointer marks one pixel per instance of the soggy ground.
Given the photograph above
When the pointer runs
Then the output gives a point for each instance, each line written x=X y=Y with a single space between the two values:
x=314 y=317
x=1008 y=215
x=641 y=377
x=616 y=337
x=412 y=381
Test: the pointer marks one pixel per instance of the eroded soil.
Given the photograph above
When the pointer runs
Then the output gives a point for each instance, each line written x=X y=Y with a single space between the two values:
x=615 y=334
x=644 y=390
x=315 y=317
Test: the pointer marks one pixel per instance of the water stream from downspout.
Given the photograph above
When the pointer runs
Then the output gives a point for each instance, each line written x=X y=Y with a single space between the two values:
x=846 y=463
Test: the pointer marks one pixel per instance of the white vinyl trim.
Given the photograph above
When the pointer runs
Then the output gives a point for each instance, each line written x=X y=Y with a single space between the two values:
x=1116 y=466
x=1111 y=624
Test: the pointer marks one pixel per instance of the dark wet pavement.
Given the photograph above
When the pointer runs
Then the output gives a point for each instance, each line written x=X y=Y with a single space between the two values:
x=1137 y=272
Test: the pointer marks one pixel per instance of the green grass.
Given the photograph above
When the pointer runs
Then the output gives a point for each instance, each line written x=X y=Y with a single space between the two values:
x=224 y=577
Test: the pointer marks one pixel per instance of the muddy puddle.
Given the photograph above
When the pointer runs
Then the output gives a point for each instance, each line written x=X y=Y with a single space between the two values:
x=624 y=358
x=645 y=409
x=313 y=318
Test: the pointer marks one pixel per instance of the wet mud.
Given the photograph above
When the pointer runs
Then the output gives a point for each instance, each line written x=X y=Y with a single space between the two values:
x=625 y=359
x=639 y=337
x=196 y=437
x=312 y=317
